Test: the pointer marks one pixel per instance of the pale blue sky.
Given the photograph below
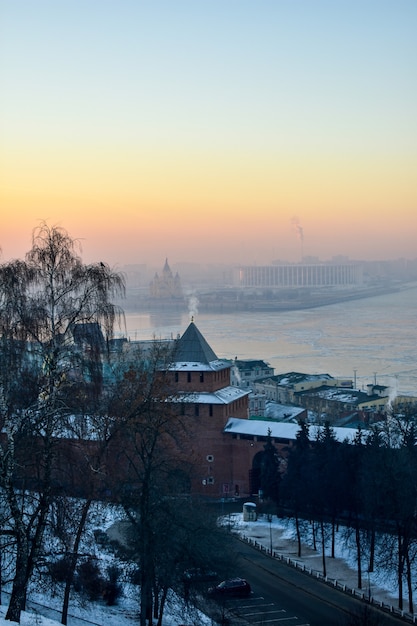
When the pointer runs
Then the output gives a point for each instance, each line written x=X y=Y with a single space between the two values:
x=309 y=73
x=209 y=82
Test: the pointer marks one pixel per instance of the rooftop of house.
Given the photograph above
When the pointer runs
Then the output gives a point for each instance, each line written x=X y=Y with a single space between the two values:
x=291 y=378
x=378 y=387
x=283 y=412
x=340 y=394
x=249 y=364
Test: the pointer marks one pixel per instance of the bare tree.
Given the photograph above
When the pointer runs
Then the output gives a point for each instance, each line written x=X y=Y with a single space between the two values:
x=152 y=468
x=42 y=300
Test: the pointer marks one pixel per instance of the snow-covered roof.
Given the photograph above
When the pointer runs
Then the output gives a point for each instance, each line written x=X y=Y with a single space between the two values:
x=198 y=366
x=280 y=430
x=282 y=412
x=378 y=387
x=341 y=394
x=221 y=396
x=291 y=378
x=250 y=364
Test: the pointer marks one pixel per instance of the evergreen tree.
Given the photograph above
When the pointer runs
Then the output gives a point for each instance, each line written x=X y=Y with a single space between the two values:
x=296 y=486
x=270 y=471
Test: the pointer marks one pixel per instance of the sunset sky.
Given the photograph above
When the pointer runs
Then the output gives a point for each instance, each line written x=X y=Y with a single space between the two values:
x=210 y=130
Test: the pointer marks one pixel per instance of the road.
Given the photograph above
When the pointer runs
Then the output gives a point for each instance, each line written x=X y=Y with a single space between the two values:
x=283 y=596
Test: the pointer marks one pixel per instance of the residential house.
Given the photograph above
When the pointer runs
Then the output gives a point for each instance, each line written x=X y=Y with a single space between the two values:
x=283 y=387
x=245 y=372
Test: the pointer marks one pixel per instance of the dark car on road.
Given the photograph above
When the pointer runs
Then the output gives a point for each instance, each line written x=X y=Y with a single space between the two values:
x=231 y=588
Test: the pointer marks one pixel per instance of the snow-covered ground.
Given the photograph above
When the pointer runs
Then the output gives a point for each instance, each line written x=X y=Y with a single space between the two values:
x=278 y=534
x=27 y=619
x=44 y=607
x=97 y=614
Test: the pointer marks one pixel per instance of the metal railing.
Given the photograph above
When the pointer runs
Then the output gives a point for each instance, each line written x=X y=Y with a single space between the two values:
x=365 y=597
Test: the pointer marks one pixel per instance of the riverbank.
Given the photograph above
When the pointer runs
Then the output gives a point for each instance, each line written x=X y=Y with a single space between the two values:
x=235 y=301
x=231 y=300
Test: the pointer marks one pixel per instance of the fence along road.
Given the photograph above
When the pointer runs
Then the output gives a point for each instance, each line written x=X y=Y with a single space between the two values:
x=301 y=594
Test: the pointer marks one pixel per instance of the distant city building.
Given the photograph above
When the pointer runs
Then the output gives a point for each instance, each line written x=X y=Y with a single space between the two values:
x=283 y=387
x=299 y=275
x=333 y=404
x=167 y=285
x=245 y=372
x=257 y=403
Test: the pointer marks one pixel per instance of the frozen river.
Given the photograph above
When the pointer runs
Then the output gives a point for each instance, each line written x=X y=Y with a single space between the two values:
x=372 y=339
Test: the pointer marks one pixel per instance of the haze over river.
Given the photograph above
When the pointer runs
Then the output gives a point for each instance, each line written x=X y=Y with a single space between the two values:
x=376 y=337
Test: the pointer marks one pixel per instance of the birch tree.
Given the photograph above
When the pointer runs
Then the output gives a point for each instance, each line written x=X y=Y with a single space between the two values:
x=42 y=299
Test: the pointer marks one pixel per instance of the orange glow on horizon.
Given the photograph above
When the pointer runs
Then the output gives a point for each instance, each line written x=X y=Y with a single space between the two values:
x=200 y=140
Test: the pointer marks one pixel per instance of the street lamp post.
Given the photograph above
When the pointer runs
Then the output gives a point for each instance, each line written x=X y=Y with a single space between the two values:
x=269 y=518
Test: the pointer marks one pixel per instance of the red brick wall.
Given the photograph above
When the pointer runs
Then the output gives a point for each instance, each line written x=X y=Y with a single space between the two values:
x=218 y=457
x=196 y=380
x=213 y=451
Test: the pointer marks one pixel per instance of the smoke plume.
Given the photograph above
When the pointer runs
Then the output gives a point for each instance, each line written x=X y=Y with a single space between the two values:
x=192 y=306
x=297 y=228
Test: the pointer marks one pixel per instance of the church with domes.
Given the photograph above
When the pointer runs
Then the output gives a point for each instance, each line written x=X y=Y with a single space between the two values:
x=166 y=286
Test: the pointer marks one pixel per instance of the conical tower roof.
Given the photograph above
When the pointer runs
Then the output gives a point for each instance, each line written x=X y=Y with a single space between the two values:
x=192 y=347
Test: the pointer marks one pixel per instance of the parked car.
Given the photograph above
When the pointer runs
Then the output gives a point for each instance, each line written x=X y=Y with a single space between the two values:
x=232 y=587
